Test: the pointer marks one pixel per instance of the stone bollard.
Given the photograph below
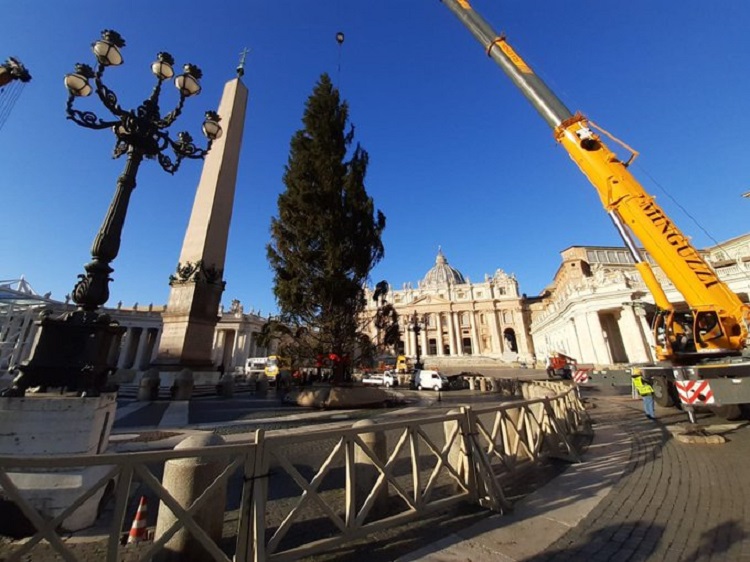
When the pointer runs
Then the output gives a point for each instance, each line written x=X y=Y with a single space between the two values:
x=483 y=384
x=261 y=388
x=366 y=474
x=225 y=387
x=183 y=385
x=186 y=479
x=148 y=388
x=472 y=385
x=457 y=457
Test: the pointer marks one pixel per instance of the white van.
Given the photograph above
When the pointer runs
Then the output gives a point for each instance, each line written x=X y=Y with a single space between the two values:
x=430 y=380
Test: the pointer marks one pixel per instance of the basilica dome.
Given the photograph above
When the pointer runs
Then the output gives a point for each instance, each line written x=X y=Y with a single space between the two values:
x=442 y=274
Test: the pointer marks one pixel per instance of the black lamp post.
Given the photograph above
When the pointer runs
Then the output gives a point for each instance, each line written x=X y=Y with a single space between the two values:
x=416 y=325
x=73 y=350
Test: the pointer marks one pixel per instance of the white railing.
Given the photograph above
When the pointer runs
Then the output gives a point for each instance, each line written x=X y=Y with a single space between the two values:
x=309 y=491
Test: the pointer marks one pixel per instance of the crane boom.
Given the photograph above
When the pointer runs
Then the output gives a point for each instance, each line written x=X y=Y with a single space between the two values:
x=630 y=207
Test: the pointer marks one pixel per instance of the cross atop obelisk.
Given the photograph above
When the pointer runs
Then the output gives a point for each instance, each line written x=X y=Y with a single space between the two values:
x=197 y=286
x=241 y=66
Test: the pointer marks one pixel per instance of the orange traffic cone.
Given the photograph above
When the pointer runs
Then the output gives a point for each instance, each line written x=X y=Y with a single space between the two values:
x=138 y=528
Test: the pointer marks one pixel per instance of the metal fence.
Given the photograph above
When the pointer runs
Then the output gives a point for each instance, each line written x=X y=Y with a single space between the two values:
x=296 y=493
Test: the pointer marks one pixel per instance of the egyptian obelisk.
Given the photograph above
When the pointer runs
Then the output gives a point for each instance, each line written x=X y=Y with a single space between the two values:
x=196 y=287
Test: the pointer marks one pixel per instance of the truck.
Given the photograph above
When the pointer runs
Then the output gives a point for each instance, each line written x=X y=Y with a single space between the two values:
x=561 y=365
x=403 y=365
x=701 y=355
x=278 y=368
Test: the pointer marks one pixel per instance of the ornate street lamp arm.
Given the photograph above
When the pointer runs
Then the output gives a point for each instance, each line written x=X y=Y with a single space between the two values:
x=183 y=148
x=170 y=117
x=108 y=97
x=87 y=119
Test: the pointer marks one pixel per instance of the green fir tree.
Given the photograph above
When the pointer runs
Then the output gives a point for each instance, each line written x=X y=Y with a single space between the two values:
x=327 y=236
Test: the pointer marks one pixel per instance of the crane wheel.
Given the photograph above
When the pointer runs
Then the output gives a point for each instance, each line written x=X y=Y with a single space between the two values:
x=662 y=395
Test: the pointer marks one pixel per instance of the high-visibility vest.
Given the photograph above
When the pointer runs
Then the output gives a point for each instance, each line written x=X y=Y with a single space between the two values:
x=643 y=388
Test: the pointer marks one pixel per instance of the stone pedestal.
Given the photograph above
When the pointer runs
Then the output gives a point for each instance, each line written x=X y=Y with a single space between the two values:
x=53 y=424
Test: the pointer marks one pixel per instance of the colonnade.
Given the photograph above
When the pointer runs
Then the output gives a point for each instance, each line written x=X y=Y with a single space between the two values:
x=137 y=347
x=459 y=333
x=233 y=346
x=602 y=337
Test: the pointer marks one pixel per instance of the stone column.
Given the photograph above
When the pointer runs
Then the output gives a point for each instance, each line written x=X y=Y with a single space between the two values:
x=451 y=334
x=124 y=348
x=237 y=349
x=632 y=336
x=601 y=351
x=648 y=334
x=475 y=346
x=574 y=340
x=459 y=336
x=586 y=344
x=497 y=341
x=439 y=337
x=140 y=351
x=425 y=348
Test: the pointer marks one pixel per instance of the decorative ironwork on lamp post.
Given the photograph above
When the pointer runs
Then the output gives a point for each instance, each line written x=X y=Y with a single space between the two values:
x=140 y=133
x=416 y=324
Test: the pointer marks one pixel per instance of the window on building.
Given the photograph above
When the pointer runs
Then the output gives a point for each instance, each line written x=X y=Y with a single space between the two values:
x=501 y=290
x=464 y=319
x=466 y=346
x=432 y=346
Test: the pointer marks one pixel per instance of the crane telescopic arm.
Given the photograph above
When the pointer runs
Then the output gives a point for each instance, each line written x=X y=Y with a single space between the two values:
x=627 y=203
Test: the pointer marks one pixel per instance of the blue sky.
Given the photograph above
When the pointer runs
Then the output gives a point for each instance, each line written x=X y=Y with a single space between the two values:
x=458 y=158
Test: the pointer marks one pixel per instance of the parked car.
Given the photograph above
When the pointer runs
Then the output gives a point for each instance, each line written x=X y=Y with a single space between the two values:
x=430 y=379
x=386 y=379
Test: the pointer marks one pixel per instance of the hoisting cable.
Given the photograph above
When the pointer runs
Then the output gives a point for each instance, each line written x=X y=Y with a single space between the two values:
x=8 y=97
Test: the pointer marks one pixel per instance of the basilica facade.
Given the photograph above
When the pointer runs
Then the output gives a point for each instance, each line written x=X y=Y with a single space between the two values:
x=447 y=316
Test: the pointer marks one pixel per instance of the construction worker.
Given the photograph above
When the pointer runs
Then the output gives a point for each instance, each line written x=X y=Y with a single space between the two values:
x=646 y=391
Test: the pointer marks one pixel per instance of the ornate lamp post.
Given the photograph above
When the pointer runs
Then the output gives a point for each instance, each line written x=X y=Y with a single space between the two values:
x=73 y=350
x=416 y=324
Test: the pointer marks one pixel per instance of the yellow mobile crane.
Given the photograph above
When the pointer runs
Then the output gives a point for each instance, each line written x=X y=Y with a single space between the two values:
x=700 y=354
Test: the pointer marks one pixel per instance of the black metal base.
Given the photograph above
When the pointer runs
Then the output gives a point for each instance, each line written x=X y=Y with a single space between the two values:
x=72 y=354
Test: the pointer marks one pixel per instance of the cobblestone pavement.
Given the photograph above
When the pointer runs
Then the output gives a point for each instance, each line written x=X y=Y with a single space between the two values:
x=675 y=502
